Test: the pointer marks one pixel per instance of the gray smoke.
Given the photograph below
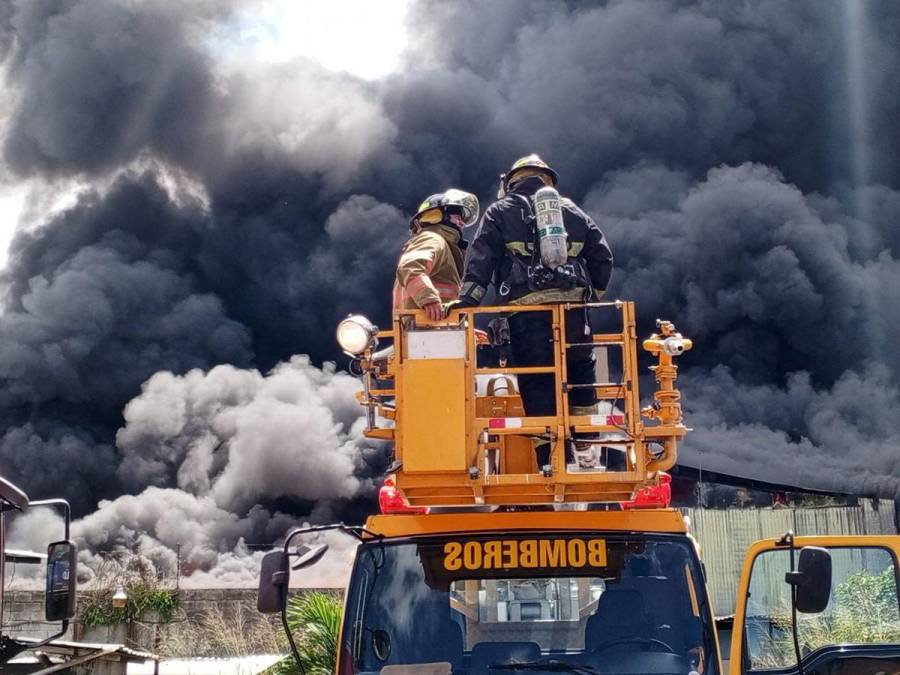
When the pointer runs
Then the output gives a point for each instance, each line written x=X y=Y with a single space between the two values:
x=98 y=83
x=169 y=527
x=215 y=444
x=218 y=443
x=30 y=531
x=232 y=213
x=751 y=269
x=242 y=438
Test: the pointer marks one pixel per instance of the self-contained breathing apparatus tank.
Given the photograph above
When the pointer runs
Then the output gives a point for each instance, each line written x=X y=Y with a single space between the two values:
x=550 y=227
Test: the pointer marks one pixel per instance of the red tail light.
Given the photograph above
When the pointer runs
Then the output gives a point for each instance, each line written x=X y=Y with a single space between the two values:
x=391 y=501
x=652 y=497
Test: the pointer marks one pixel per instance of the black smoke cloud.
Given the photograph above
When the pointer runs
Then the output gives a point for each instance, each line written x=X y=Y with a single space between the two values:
x=104 y=82
x=237 y=210
x=603 y=86
x=794 y=374
x=753 y=271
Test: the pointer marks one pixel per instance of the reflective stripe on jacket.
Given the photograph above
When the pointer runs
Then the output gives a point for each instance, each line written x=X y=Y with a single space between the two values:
x=429 y=269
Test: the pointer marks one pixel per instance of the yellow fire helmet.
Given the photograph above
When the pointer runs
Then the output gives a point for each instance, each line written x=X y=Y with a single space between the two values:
x=531 y=163
x=438 y=207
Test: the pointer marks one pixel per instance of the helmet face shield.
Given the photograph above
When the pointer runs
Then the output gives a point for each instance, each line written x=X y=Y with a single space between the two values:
x=438 y=208
x=528 y=172
x=466 y=202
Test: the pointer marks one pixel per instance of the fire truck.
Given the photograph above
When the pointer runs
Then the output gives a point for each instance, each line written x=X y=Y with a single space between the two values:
x=483 y=561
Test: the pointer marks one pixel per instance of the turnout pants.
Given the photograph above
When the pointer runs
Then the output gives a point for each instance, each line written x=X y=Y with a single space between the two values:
x=531 y=340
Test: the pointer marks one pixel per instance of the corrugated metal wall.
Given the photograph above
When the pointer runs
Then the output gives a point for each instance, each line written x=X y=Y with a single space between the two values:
x=726 y=534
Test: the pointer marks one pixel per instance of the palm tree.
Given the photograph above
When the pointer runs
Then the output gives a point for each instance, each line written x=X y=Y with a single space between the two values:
x=314 y=620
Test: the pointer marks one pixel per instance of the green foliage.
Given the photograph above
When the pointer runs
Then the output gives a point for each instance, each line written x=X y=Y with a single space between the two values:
x=315 y=620
x=867 y=608
x=863 y=610
x=97 y=608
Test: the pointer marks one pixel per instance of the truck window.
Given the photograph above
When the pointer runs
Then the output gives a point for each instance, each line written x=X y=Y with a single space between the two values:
x=610 y=602
x=863 y=607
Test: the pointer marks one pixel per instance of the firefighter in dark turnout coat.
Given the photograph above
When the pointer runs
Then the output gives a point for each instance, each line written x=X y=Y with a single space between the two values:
x=505 y=252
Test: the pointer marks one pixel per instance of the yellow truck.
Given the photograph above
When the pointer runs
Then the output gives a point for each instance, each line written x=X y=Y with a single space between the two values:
x=484 y=562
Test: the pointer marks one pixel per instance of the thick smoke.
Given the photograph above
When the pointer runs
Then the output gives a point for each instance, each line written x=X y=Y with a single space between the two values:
x=214 y=444
x=753 y=270
x=241 y=438
x=794 y=360
x=218 y=443
x=743 y=166
x=177 y=534
x=171 y=527
x=98 y=83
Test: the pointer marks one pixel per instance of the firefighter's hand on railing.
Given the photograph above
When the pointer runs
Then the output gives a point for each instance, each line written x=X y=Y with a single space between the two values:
x=481 y=337
x=434 y=311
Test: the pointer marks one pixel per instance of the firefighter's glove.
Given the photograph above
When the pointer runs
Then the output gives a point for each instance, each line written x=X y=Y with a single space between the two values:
x=454 y=304
x=463 y=303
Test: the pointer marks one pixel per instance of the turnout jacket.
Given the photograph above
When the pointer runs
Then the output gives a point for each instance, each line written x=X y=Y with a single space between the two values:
x=429 y=268
x=504 y=248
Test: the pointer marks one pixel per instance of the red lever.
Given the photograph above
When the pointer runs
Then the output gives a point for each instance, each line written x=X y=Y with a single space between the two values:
x=652 y=496
x=391 y=501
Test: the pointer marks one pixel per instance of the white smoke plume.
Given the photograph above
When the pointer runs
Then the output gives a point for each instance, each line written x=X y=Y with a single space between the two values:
x=218 y=443
x=176 y=534
x=241 y=438
x=171 y=527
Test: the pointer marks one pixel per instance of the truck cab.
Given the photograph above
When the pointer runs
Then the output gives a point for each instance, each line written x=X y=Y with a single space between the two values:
x=528 y=591
x=601 y=592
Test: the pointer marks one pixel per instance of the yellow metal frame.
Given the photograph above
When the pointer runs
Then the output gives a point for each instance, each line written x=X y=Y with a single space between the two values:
x=889 y=542
x=665 y=521
x=442 y=443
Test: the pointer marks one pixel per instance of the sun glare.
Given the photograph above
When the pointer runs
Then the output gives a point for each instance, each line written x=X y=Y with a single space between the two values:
x=362 y=37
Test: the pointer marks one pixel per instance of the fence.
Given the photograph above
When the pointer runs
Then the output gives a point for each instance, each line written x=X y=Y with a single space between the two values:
x=726 y=534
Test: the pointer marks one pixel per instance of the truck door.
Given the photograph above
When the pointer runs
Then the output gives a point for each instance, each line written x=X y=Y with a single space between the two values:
x=857 y=633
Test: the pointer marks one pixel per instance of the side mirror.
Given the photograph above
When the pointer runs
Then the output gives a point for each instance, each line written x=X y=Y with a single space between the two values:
x=273 y=583
x=812 y=579
x=308 y=555
x=381 y=644
x=59 y=602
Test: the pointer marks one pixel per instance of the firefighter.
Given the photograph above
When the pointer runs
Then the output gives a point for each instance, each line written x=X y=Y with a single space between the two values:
x=431 y=262
x=505 y=252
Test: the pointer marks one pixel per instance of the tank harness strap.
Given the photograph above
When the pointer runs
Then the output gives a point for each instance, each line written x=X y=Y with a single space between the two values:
x=472 y=293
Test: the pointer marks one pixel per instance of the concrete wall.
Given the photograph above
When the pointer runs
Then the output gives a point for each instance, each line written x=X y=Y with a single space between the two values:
x=24 y=612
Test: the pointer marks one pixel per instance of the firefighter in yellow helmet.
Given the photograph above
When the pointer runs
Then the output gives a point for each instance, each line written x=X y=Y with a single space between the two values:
x=431 y=262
